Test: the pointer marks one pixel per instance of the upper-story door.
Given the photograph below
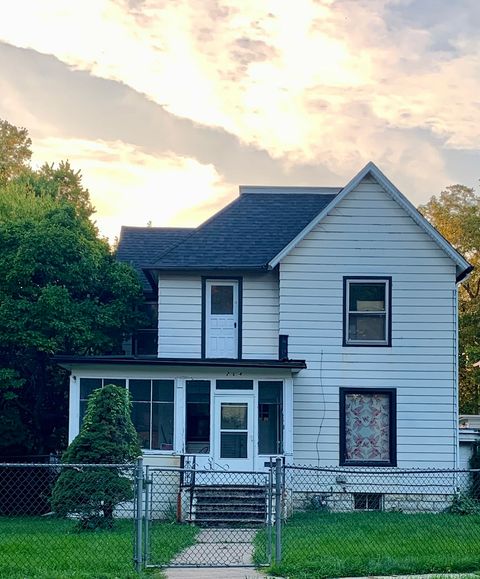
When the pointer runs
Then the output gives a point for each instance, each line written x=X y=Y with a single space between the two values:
x=221 y=327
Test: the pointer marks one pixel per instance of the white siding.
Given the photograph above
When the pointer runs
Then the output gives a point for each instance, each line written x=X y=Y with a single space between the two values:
x=179 y=316
x=369 y=234
x=260 y=316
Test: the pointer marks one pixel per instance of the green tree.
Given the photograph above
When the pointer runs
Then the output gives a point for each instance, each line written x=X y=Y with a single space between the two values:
x=456 y=214
x=107 y=436
x=15 y=152
x=61 y=291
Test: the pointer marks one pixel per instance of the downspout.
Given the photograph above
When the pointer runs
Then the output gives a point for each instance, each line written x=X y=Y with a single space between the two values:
x=455 y=379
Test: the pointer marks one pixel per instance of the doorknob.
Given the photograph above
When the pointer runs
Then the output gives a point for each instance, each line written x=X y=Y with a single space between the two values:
x=234 y=324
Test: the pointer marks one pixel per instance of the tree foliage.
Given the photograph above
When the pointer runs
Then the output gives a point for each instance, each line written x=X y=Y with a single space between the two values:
x=107 y=436
x=61 y=291
x=456 y=214
x=15 y=152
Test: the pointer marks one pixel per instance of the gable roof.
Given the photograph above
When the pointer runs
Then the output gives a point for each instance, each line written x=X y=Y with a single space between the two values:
x=248 y=232
x=139 y=246
x=463 y=267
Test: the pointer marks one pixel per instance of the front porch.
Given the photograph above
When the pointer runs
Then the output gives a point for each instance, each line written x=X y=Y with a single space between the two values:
x=216 y=415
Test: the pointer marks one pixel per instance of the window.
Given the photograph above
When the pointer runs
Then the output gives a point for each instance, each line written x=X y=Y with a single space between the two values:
x=270 y=417
x=152 y=408
x=367 y=501
x=234 y=385
x=88 y=385
x=367 y=315
x=152 y=412
x=198 y=417
x=146 y=338
x=368 y=427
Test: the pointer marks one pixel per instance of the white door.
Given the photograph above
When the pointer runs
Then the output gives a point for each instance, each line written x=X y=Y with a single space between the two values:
x=233 y=427
x=221 y=326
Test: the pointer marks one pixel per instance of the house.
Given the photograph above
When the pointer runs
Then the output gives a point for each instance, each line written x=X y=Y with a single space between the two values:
x=316 y=324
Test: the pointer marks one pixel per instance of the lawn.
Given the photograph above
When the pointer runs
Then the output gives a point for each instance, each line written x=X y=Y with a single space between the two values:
x=318 y=545
x=48 y=548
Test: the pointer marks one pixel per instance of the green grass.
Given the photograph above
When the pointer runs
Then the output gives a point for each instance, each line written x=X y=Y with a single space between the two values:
x=46 y=548
x=318 y=545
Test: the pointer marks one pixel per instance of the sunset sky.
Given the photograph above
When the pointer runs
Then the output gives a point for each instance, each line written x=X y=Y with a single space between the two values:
x=167 y=106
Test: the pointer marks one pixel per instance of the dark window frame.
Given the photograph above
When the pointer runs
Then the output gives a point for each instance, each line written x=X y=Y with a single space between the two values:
x=239 y=280
x=392 y=392
x=387 y=343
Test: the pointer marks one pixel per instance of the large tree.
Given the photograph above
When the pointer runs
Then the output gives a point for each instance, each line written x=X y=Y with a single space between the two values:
x=61 y=291
x=456 y=214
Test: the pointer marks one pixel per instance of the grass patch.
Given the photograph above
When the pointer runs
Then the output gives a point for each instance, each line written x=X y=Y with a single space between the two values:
x=48 y=548
x=319 y=545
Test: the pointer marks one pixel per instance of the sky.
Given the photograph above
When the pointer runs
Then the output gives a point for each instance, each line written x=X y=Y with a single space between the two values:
x=167 y=106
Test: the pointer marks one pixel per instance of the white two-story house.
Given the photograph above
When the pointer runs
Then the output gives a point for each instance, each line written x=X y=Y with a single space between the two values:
x=315 y=324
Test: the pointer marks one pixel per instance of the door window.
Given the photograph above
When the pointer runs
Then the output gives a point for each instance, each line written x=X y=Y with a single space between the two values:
x=234 y=430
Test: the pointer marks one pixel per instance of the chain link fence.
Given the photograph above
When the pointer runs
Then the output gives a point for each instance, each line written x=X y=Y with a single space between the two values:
x=61 y=520
x=229 y=515
x=57 y=520
x=351 y=521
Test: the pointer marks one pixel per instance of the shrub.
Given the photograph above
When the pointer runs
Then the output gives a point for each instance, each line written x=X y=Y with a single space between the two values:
x=107 y=436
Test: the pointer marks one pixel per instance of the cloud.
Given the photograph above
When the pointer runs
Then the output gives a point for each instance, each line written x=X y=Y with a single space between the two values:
x=306 y=90
x=128 y=186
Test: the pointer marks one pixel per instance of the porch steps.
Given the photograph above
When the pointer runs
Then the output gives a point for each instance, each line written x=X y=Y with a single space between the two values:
x=229 y=505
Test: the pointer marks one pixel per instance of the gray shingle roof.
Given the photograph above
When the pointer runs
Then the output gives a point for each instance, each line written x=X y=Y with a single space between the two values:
x=140 y=246
x=248 y=233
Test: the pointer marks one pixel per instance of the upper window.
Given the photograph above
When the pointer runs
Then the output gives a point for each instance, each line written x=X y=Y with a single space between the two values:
x=367 y=316
x=367 y=427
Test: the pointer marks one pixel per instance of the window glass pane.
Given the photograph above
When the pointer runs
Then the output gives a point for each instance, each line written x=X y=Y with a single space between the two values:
x=198 y=417
x=146 y=342
x=270 y=392
x=162 y=391
x=83 y=409
x=367 y=427
x=115 y=381
x=369 y=327
x=140 y=390
x=162 y=426
x=234 y=416
x=221 y=299
x=233 y=445
x=150 y=310
x=88 y=385
x=367 y=297
x=270 y=417
x=234 y=384
x=141 y=421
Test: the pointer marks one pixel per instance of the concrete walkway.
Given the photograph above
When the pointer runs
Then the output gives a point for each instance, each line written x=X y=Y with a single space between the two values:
x=217 y=547
x=214 y=573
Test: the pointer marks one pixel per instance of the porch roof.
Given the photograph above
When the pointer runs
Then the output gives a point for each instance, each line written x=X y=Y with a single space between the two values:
x=64 y=360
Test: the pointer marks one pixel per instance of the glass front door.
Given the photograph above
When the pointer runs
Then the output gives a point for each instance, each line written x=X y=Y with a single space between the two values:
x=234 y=432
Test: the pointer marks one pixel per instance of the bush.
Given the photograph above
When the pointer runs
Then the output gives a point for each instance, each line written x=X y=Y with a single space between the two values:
x=107 y=437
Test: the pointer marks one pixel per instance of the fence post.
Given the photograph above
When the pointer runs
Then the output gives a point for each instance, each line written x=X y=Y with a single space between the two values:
x=278 y=510
x=139 y=516
x=148 y=502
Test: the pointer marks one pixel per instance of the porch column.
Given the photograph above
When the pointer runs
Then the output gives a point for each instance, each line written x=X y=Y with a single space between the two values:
x=73 y=408
x=179 y=424
x=288 y=420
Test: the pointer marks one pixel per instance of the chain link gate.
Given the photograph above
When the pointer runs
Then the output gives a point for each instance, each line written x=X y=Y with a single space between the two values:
x=215 y=518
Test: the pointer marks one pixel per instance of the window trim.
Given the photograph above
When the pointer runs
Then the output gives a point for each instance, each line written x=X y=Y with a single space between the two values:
x=392 y=392
x=387 y=343
x=239 y=281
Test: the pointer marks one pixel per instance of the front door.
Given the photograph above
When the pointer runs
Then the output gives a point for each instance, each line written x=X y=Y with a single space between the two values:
x=221 y=339
x=233 y=426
